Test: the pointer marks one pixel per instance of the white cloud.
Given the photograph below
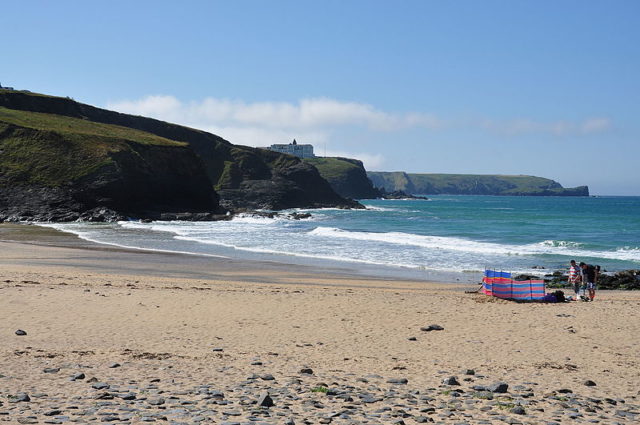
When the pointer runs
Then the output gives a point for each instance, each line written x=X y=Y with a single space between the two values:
x=306 y=114
x=524 y=126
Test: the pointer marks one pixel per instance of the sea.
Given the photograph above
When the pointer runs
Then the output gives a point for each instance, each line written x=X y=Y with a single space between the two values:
x=445 y=238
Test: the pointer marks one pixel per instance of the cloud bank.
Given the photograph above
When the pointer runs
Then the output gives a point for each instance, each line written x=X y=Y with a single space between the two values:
x=315 y=120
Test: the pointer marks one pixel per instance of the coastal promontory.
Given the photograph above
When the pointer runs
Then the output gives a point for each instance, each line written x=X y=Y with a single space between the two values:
x=61 y=160
x=472 y=184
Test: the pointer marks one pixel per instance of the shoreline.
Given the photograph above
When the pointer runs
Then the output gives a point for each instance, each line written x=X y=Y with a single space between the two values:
x=176 y=338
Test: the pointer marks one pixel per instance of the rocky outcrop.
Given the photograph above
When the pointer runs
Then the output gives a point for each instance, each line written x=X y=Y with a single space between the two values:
x=244 y=177
x=346 y=176
x=472 y=184
x=51 y=176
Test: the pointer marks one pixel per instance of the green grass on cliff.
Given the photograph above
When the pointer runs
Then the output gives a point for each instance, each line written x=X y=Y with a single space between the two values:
x=64 y=124
x=331 y=168
x=53 y=150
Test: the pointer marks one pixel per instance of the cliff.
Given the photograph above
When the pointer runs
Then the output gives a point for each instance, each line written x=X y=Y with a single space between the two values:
x=346 y=176
x=472 y=184
x=55 y=168
x=244 y=177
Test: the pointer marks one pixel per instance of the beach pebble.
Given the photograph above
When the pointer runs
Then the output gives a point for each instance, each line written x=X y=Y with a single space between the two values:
x=432 y=328
x=498 y=387
x=20 y=332
x=470 y=372
x=77 y=377
x=267 y=377
x=412 y=338
x=306 y=370
x=114 y=365
x=20 y=397
x=589 y=383
x=518 y=410
x=28 y=420
x=217 y=350
x=452 y=380
x=100 y=386
x=265 y=400
x=51 y=370
x=398 y=381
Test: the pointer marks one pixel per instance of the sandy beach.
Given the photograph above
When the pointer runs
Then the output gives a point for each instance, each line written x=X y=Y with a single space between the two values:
x=125 y=336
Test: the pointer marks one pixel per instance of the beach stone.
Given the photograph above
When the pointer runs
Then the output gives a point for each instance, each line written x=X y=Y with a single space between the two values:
x=289 y=421
x=518 y=410
x=20 y=332
x=52 y=412
x=128 y=396
x=398 y=381
x=77 y=377
x=156 y=401
x=51 y=370
x=19 y=398
x=114 y=365
x=217 y=350
x=267 y=377
x=432 y=328
x=498 y=387
x=452 y=380
x=565 y=391
x=470 y=372
x=100 y=386
x=589 y=383
x=27 y=420
x=265 y=400
x=306 y=370
x=412 y=338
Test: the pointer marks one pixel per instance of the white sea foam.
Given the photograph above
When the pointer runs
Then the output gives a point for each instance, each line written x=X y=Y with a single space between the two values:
x=439 y=243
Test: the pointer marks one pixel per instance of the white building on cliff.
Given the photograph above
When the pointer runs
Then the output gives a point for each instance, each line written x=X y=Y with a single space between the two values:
x=293 y=148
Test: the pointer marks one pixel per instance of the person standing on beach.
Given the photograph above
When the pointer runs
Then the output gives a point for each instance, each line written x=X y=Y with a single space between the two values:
x=589 y=279
x=575 y=278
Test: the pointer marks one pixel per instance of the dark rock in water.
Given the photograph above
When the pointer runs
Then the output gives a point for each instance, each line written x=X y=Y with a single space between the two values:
x=20 y=397
x=265 y=400
x=399 y=194
x=589 y=383
x=20 y=332
x=498 y=387
x=398 y=381
x=452 y=380
x=432 y=328
x=346 y=176
x=51 y=370
x=518 y=410
x=307 y=371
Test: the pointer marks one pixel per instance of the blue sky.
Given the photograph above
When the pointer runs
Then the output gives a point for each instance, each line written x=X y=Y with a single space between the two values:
x=548 y=88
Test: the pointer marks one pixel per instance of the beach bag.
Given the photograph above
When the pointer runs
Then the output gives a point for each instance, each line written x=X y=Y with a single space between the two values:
x=559 y=296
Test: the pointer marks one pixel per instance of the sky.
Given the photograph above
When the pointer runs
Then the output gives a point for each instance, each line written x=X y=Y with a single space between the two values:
x=546 y=88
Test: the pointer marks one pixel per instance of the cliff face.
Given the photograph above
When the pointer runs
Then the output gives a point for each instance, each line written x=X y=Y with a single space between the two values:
x=244 y=177
x=56 y=168
x=346 y=176
x=471 y=184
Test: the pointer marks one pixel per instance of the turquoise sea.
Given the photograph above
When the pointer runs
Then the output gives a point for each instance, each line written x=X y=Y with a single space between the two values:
x=444 y=238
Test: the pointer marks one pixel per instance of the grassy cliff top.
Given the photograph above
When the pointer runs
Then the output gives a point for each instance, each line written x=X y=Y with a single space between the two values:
x=54 y=150
x=333 y=167
x=65 y=125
